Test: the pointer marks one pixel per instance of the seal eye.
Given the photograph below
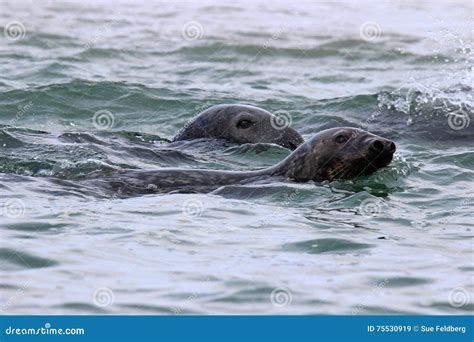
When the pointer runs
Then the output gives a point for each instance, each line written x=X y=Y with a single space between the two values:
x=244 y=124
x=340 y=139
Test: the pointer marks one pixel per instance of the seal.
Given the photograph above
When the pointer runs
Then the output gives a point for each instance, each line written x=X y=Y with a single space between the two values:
x=336 y=153
x=241 y=124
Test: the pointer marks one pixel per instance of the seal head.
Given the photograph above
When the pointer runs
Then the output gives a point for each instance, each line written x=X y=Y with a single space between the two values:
x=240 y=124
x=337 y=153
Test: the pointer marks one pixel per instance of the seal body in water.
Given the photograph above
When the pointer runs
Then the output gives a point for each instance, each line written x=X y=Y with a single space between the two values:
x=331 y=154
x=241 y=124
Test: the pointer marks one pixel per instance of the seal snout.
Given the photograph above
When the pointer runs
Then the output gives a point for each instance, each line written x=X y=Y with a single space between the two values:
x=382 y=151
x=383 y=146
x=291 y=139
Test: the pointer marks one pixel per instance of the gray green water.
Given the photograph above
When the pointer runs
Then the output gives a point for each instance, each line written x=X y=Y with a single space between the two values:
x=397 y=242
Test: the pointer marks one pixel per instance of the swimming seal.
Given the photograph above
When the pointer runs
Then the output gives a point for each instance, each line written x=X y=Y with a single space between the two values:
x=336 y=153
x=241 y=124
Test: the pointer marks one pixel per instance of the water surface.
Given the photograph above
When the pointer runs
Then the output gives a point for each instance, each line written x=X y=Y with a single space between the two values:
x=397 y=242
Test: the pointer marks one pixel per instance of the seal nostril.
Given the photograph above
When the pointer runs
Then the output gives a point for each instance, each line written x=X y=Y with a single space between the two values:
x=392 y=147
x=292 y=146
x=377 y=145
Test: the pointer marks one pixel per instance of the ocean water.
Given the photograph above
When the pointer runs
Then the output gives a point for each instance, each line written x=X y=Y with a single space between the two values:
x=87 y=88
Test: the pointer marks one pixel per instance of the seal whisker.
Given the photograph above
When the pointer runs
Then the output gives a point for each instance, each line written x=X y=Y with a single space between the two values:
x=334 y=171
x=341 y=171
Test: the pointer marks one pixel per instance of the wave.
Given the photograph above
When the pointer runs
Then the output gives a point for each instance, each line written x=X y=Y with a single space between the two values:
x=441 y=115
x=346 y=49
